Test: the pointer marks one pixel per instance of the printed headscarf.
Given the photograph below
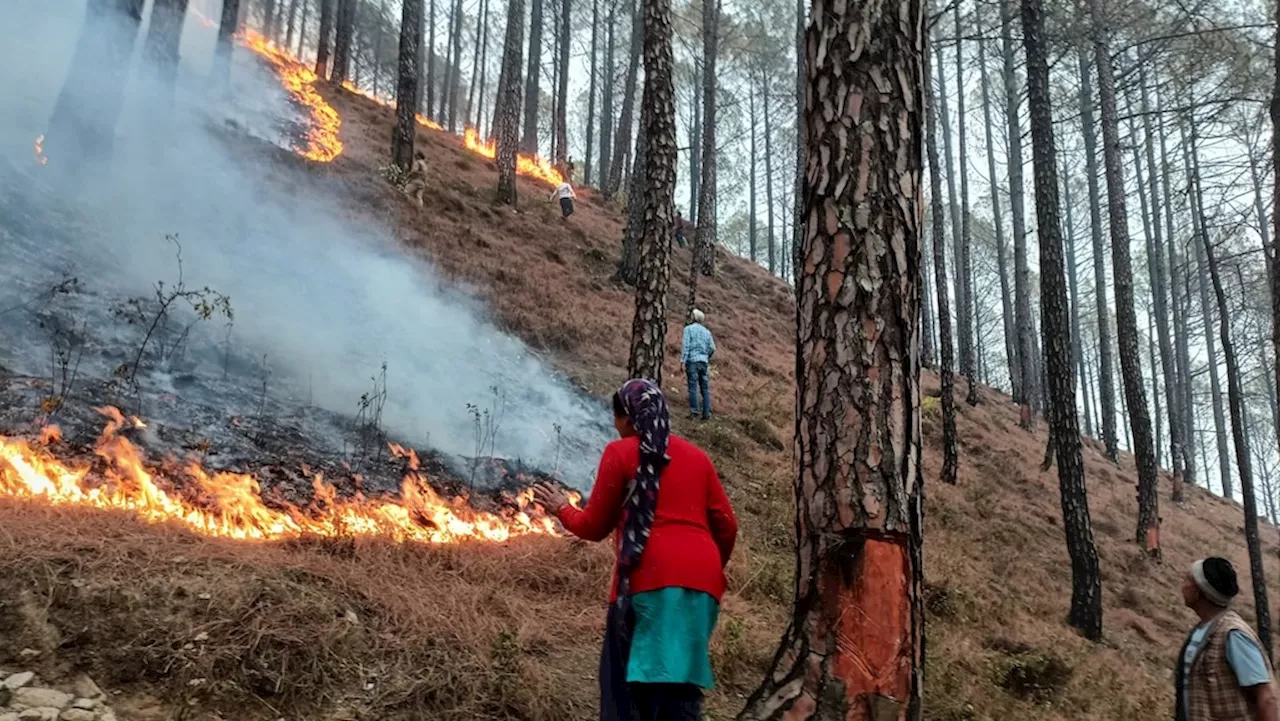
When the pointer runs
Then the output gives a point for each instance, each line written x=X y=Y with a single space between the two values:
x=646 y=407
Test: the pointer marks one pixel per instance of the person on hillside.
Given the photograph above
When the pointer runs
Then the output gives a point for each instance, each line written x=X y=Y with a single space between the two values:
x=1222 y=673
x=696 y=351
x=674 y=530
x=681 y=224
x=564 y=192
x=416 y=182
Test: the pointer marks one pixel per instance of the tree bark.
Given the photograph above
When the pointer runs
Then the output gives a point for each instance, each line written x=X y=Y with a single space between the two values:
x=858 y=525
x=1106 y=382
x=768 y=173
x=622 y=140
x=402 y=140
x=82 y=128
x=163 y=39
x=1021 y=270
x=649 y=327
x=608 y=87
x=507 y=110
x=529 y=138
x=946 y=363
x=342 y=40
x=1002 y=262
x=705 y=234
x=455 y=70
x=562 y=94
x=1148 y=531
x=633 y=233
x=1236 y=395
x=228 y=26
x=1064 y=429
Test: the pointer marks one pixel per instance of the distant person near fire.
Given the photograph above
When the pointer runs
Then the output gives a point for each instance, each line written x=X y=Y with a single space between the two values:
x=1222 y=673
x=416 y=183
x=564 y=192
x=696 y=351
x=660 y=498
x=681 y=224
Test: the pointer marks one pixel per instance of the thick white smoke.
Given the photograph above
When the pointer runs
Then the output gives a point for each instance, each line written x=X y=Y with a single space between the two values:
x=325 y=299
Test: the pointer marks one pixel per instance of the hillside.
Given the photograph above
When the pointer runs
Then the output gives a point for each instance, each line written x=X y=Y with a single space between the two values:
x=186 y=627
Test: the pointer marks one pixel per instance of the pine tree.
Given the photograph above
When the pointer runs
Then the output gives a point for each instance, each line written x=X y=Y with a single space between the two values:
x=704 y=243
x=946 y=363
x=859 y=527
x=402 y=139
x=325 y=40
x=228 y=26
x=163 y=39
x=506 y=113
x=529 y=137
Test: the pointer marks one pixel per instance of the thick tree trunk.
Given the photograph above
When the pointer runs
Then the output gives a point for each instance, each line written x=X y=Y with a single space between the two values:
x=768 y=173
x=1106 y=382
x=228 y=26
x=1148 y=531
x=1064 y=429
x=946 y=363
x=633 y=233
x=529 y=137
x=161 y=45
x=1002 y=262
x=705 y=234
x=342 y=40
x=858 y=526
x=622 y=139
x=1021 y=270
x=649 y=327
x=402 y=140
x=1236 y=394
x=506 y=113
x=591 y=93
x=83 y=125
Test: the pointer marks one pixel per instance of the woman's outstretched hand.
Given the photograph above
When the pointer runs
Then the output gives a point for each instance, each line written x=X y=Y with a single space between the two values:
x=551 y=498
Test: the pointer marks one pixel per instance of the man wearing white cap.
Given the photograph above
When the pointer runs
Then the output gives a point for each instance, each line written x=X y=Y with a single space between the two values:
x=1222 y=672
x=697 y=348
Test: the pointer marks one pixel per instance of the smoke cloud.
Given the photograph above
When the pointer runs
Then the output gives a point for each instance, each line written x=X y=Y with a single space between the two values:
x=325 y=299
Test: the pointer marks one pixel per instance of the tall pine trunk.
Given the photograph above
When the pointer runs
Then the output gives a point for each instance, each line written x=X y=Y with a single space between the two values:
x=455 y=69
x=649 y=327
x=705 y=235
x=1073 y=288
x=342 y=40
x=1148 y=531
x=591 y=93
x=964 y=330
x=946 y=363
x=1064 y=430
x=562 y=94
x=430 y=94
x=163 y=39
x=607 y=88
x=970 y=332
x=695 y=141
x=1021 y=270
x=1275 y=216
x=228 y=25
x=1002 y=248
x=402 y=140
x=797 y=185
x=622 y=140
x=633 y=233
x=770 y=240
x=529 y=136
x=506 y=113
x=752 y=233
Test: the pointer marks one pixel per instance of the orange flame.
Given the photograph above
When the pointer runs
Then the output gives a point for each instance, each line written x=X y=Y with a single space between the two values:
x=423 y=120
x=322 y=144
x=40 y=156
x=530 y=166
x=229 y=505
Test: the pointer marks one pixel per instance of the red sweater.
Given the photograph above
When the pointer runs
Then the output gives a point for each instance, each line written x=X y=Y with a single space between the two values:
x=693 y=528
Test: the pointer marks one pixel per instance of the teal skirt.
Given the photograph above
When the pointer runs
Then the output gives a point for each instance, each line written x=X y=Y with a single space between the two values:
x=671 y=634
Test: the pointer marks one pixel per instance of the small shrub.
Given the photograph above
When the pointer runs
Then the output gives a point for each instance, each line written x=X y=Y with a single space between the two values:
x=1034 y=675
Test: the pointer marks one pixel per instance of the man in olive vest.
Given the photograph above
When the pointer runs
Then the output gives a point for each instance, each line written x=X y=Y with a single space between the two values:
x=1223 y=673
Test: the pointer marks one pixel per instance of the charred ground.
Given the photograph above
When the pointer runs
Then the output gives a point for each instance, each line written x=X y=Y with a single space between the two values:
x=338 y=629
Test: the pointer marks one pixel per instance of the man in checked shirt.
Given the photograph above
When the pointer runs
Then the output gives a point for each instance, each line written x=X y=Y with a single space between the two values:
x=696 y=351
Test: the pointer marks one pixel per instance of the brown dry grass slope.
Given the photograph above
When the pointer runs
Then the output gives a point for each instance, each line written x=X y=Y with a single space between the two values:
x=335 y=629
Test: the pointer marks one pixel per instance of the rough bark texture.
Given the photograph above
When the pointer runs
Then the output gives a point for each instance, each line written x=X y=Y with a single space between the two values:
x=529 y=137
x=407 y=84
x=83 y=125
x=1002 y=251
x=629 y=264
x=1106 y=381
x=704 y=243
x=946 y=364
x=506 y=119
x=649 y=327
x=1064 y=429
x=1236 y=394
x=346 y=21
x=859 y=494
x=622 y=139
x=163 y=38
x=228 y=24
x=1021 y=272
x=1148 y=532
x=562 y=92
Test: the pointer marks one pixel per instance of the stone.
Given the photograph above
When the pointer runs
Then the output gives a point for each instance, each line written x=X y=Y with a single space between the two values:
x=88 y=704
x=42 y=698
x=107 y=715
x=8 y=717
x=44 y=713
x=77 y=714
x=18 y=680
x=84 y=687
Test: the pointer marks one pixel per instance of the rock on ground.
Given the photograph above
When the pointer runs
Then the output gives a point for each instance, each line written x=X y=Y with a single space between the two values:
x=23 y=699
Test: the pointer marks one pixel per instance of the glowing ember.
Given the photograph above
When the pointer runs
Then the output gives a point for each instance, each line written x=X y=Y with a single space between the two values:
x=531 y=166
x=322 y=144
x=230 y=505
x=40 y=157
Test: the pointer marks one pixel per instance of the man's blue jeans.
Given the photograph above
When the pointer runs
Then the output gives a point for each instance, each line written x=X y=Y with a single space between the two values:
x=699 y=386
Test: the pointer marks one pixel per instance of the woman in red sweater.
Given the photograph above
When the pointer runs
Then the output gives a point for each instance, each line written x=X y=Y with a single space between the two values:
x=672 y=548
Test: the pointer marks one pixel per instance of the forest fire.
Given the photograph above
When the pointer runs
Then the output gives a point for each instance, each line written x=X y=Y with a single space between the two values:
x=322 y=143
x=423 y=120
x=531 y=166
x=229 y=505
x=40 y=156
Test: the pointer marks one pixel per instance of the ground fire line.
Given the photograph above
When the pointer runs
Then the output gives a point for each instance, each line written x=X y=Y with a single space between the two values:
x=230 y=505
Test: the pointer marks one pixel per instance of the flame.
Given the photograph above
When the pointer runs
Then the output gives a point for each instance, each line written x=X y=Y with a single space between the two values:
x=322 y=144
x=531 y=166
x=423 y=120
x=40 y=156
x=230 y=505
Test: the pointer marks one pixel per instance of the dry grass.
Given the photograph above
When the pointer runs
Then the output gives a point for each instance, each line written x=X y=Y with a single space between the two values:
x=512 y=631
